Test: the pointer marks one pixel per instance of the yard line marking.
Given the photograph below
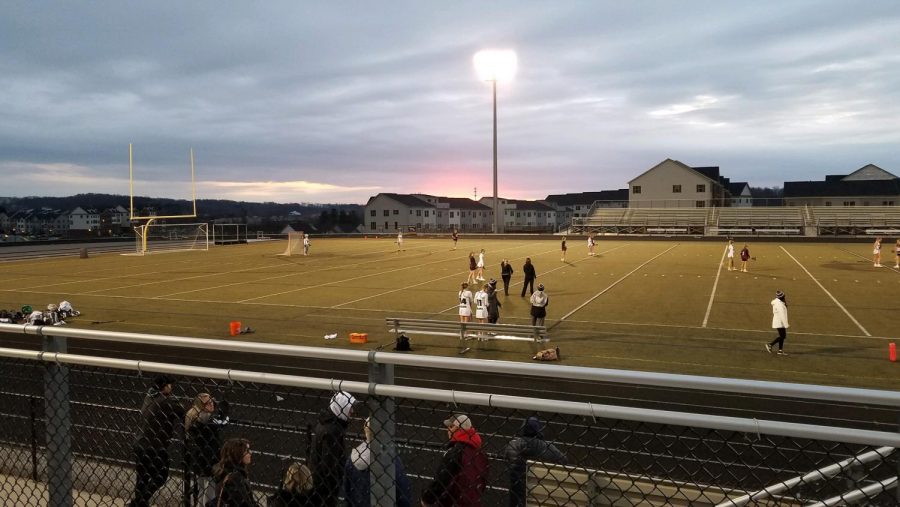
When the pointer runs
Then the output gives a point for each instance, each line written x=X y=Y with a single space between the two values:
x=826 y=292
x=566 y=316
x=461 y=273
x=715 y=284
x=334 y=282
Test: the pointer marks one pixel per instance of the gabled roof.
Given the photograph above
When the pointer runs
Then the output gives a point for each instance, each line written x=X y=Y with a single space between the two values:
x=869 y=172
x=711 y=172
x=683 y=166
x=464 y=203
x=588 y=197
x=406 y=199
x=842 y=188
x=737 y=188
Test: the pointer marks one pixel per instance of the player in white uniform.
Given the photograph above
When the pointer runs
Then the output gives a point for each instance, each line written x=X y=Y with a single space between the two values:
x=481 y=305
x=306 y=244
x=399 y=240
x=876 y=252
x=729 y=252
x=465 y=303
x=591 y=245
x=480 y=274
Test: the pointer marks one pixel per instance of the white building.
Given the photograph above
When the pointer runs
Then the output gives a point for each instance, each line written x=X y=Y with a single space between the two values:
x=739 y=195
x=81 y=219
x=524 y=216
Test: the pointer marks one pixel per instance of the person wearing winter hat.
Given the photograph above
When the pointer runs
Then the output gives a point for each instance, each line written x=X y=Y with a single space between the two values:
x=779 y=322
x=539 y=302
x=529 y=444
x=328 y=453
x=358 y=481
x=461 y=475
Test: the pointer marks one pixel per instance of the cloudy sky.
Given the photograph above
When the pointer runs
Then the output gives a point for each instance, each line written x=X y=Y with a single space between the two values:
x=336 y=101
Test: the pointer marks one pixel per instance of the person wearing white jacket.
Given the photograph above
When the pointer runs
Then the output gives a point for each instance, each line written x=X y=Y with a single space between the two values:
x=779 y=322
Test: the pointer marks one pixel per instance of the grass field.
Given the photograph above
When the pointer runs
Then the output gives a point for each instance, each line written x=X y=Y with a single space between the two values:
x=664 y=306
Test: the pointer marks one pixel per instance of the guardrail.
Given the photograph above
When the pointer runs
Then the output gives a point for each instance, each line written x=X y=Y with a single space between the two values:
x=83 y=447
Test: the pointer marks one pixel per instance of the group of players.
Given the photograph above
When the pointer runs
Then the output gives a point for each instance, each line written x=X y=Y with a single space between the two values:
x=876 y=254
x=54 y=315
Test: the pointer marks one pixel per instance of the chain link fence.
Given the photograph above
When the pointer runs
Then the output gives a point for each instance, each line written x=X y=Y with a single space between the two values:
x=96 y=432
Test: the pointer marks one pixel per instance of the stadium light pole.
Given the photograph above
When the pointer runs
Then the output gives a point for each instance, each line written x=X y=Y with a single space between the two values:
x=495 y=65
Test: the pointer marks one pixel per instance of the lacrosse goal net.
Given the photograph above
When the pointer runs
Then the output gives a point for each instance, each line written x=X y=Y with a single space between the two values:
x=153 y=238
x=294 y=244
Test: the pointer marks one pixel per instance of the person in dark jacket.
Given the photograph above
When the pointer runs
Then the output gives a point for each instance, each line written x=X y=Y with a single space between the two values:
x=506 y=272
x=528 y=445
x=233 y=488
x=493 y=303
x=530 y=275
x=461 y=476
x=296 y=489
x=160 y=415
x=203 y=441
x=357 y=478
x=328 y=452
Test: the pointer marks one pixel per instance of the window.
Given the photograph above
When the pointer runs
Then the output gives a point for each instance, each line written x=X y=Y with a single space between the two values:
x=887 y=203
x=440 y=214
x=451 y=214
x=849 y=203
x=701 y=188
x=396 y=225
x=396 y=212
x=385 y=226
x=827 y=203
x=372 y=226
x=636 y=189
x=426 y=213
x=387 y=213
x=418 y=212
x=701 y=204
x=676 y=189
x=372 y=213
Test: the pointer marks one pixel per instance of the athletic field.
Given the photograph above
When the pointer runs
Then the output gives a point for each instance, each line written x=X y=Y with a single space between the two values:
x=663 y=305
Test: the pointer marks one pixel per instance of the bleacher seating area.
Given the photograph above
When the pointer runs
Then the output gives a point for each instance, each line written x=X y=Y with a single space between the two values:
x=758 y=221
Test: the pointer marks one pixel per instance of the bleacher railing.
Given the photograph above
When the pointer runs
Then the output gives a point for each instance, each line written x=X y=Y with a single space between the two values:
x=68 y=422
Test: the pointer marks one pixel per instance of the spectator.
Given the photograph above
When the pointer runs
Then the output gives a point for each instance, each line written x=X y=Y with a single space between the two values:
x=493 y=304
x=461 y=476
x=232 y=484
x=328 y=451
x=528 y=445
x=160 y=415
x=530 y=276
x=357 y=478
x=506 y=272
x=296 y=490
x=539 y=302
x=203 y=442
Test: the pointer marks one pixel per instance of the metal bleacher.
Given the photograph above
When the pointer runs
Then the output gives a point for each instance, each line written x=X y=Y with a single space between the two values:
x=756 y=221
x=852 y=220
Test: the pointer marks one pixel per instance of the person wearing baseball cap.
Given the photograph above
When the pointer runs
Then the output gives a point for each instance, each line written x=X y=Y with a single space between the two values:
x=779 y=322
x=461 y=476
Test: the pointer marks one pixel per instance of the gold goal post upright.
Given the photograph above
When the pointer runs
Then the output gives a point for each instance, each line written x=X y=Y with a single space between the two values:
x=150 y=219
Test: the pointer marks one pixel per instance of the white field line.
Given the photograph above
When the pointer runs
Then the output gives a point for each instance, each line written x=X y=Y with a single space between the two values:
x=333 y=282
x=207 y=275
x=566 y=316
x=715 y=284
x=463 y=273
x=382 y=310
x=569 y=264
x=866 y=258
x=826 y=292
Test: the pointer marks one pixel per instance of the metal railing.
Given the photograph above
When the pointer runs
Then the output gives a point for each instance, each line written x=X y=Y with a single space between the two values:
x=81 y=446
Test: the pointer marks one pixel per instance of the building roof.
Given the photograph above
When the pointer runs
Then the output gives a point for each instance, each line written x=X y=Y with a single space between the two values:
x=588 y=197
x=710 y=173
x=408 y=200
x=737 y=187
x=529 y=205
x=464 y=203
x=842 y=188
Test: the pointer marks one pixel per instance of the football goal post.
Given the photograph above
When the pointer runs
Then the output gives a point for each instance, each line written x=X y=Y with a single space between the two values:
x=227 y=234
x=294 y=244
x=153 y=238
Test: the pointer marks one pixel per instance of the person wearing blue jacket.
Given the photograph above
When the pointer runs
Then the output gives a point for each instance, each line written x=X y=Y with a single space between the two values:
x=529 y=444
x=357 y=478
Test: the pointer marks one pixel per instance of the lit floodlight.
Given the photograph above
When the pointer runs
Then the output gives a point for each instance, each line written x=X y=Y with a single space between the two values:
x=496 y=64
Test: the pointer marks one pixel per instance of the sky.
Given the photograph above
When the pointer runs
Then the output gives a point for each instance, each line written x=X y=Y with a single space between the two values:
x=333 y=102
